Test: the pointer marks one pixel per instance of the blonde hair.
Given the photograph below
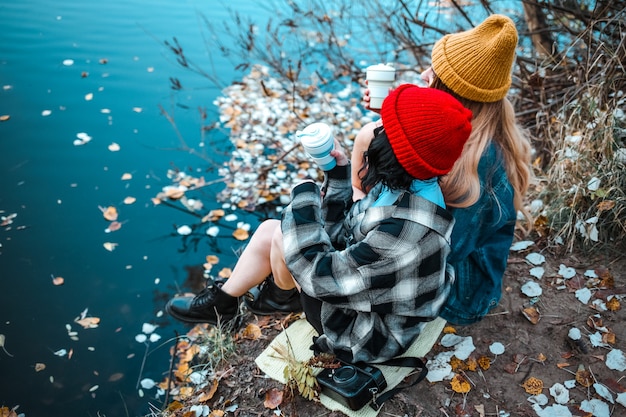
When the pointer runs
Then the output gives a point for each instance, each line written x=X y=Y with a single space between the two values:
x=491 y=122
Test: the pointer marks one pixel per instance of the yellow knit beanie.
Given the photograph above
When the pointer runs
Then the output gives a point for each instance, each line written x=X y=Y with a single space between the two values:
x=476 y=64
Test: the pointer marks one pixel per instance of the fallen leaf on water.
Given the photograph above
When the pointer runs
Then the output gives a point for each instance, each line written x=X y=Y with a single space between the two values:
x=184 y=230
x=533 y=386
x=7 y=412
x=2 y=342
x=147 y=383
x=116 y=377
x=109 y=213
x=61 y=352
x=88 y=322
x=82 y=138
x=241 y=234
x=214 y=215
x=114 y=226
x=225 y=273
x=148 y=328
x=110 y=246
x=273 y=398
x=7 y=220
x=174 y=193
x=212 y=259
x=40 y=367
x=459 y=384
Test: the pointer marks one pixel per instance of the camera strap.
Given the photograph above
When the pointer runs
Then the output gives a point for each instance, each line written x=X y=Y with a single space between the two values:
x=409 y=362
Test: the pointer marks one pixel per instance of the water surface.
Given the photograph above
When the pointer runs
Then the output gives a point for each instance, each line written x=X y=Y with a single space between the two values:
x=100 y=68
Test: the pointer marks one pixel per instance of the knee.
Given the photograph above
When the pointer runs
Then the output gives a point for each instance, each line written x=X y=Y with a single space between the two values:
x=277 y=239
x=266 y=230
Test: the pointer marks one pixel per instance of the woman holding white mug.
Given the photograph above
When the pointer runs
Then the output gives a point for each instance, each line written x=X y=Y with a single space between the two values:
x=486 y=186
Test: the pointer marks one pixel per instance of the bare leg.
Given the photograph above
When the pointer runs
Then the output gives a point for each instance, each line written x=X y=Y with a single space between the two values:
x=361 y=143
x=261 y=257
x=282 y=276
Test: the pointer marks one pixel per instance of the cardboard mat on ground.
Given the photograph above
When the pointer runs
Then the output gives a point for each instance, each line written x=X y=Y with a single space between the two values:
x=298 y=338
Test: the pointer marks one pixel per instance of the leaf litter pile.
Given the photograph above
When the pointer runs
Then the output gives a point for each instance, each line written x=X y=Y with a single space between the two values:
x=553 y=347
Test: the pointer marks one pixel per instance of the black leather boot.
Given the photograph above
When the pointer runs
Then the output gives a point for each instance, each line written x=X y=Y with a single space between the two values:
x=211 y=305
x=268 y=299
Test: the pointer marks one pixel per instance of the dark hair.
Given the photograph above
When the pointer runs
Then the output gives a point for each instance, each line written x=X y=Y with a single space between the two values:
x=381 y=165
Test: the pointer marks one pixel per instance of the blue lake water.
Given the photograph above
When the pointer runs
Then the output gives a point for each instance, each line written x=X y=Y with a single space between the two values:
x=111 y=90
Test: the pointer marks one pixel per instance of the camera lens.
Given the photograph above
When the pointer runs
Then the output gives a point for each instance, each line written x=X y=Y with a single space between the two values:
x=345 y=374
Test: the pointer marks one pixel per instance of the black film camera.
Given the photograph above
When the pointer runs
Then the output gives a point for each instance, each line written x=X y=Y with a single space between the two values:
x=352 y=385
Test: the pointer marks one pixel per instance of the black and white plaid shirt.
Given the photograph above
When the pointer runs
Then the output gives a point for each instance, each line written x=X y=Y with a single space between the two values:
x=380 y=272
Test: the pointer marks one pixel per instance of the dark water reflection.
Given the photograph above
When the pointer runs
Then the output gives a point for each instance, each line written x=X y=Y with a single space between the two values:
x=112 y=91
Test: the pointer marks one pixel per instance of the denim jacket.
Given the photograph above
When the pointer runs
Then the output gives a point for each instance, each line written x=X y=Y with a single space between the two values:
x=481 y=240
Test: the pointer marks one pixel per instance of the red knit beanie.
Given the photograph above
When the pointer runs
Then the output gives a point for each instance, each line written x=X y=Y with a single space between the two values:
x=427 y=129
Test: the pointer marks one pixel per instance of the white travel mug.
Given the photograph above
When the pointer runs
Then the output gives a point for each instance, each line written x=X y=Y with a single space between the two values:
x=380 y=78
x=317 y=140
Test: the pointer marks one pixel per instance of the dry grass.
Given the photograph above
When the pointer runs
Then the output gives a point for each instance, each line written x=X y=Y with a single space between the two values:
x=576 y=114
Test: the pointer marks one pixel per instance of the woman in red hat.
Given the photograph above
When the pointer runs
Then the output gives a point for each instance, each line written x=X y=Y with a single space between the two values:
x=486 y=186
x=369 y=274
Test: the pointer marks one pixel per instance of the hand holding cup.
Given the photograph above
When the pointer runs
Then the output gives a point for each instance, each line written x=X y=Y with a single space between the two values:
x=318 y=141
x=380 y=78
